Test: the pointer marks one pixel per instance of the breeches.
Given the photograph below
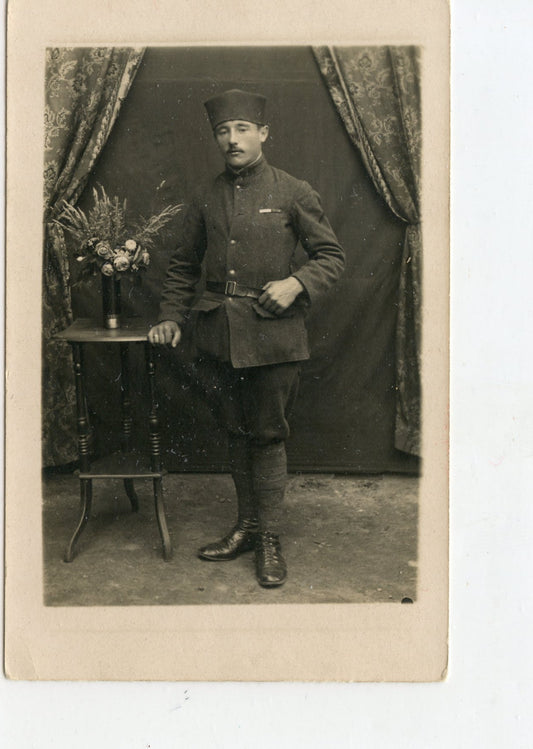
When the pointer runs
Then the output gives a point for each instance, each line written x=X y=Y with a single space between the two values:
x=253 y=402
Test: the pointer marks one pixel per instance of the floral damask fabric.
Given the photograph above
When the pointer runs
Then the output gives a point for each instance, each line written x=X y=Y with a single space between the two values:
x=376 y=92
x=84 y=90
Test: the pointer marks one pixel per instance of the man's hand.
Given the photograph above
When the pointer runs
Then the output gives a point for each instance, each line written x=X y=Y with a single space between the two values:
x=164 y=332
x=279 y=295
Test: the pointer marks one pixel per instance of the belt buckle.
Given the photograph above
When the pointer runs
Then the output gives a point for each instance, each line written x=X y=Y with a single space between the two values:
x=231 y=288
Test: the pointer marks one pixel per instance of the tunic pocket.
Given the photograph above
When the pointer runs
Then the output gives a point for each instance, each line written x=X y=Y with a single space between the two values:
x=264 y=313
x=274 y=217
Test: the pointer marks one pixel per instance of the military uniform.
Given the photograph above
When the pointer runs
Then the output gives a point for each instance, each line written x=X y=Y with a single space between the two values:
x=245 y=230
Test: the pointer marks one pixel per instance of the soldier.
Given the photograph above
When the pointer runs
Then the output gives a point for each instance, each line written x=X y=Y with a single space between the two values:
x=249 y=322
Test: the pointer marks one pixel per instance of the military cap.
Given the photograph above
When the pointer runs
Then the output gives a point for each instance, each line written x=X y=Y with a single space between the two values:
x=236 y=105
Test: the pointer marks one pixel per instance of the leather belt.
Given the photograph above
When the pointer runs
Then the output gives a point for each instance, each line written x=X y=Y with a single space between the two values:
x=232 y=288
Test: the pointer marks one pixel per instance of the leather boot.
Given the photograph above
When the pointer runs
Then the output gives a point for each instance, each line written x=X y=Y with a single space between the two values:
x=241 y=538
x=270 y=566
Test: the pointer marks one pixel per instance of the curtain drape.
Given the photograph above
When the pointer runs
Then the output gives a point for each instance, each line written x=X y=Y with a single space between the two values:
x=84 y=91
x=376 y=92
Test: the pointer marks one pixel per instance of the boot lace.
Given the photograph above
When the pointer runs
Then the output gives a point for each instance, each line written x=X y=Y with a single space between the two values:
x=270 y=549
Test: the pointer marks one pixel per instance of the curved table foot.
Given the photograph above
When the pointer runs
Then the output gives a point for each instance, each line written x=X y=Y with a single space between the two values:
x=132 y=494
x=161 y=519
x=86 y=492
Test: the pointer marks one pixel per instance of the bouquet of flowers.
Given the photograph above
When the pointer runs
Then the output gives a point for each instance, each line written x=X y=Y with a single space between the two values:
x=105 y=241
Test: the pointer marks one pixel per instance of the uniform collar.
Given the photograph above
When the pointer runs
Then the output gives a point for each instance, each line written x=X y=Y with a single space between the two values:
x=247 y=171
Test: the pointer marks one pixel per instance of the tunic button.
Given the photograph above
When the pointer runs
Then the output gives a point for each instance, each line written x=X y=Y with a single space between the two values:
x=231 y=272
x=233 y=241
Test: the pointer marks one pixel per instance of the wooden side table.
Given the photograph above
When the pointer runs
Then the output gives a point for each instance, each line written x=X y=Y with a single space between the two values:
x=124 y=464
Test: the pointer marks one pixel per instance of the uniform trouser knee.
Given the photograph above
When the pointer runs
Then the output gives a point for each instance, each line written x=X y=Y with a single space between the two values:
x=253 y=405
x=254 y=402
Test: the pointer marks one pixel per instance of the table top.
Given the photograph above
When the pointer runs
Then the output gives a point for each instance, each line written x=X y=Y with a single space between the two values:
x=86 y=330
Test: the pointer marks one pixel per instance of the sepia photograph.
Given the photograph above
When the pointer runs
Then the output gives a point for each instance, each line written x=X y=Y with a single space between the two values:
x=244 y=222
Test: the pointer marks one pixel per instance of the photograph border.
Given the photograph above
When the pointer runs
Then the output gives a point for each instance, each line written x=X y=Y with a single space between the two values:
x=346 y=642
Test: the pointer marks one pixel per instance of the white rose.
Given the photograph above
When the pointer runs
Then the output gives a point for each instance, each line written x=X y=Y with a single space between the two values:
x=121 y=262
x=103 y=249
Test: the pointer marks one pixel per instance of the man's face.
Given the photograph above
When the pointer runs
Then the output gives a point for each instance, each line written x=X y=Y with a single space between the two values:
x=240 y=142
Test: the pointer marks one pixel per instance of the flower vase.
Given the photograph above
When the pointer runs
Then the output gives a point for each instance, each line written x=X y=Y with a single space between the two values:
x=111 y=301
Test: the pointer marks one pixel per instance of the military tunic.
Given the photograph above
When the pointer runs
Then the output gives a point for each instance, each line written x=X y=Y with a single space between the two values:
x=245 y=228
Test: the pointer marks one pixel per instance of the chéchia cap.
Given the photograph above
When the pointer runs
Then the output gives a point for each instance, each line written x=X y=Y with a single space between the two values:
x=236 y=105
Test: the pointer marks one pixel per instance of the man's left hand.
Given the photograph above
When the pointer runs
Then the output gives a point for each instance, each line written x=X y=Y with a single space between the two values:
x=279 y=295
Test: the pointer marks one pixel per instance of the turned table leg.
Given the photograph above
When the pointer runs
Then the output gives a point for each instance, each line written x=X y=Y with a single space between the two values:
x=83 y=428
x=155 y=455
x=127 y=420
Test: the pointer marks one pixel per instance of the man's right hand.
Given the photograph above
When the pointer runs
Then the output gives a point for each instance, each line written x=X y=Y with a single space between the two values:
x=165 y=332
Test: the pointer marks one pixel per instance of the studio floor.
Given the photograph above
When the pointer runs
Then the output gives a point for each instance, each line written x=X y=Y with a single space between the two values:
x=347 y=539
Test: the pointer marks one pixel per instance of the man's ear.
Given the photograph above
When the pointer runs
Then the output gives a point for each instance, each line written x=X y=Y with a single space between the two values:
x=263 y=132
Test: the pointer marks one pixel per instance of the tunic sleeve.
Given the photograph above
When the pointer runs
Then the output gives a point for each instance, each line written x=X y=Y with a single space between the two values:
x=326 y=256
x=184 y=270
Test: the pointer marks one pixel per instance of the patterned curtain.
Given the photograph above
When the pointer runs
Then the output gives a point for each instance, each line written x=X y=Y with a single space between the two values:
x=84 y=90
x=377 y=95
